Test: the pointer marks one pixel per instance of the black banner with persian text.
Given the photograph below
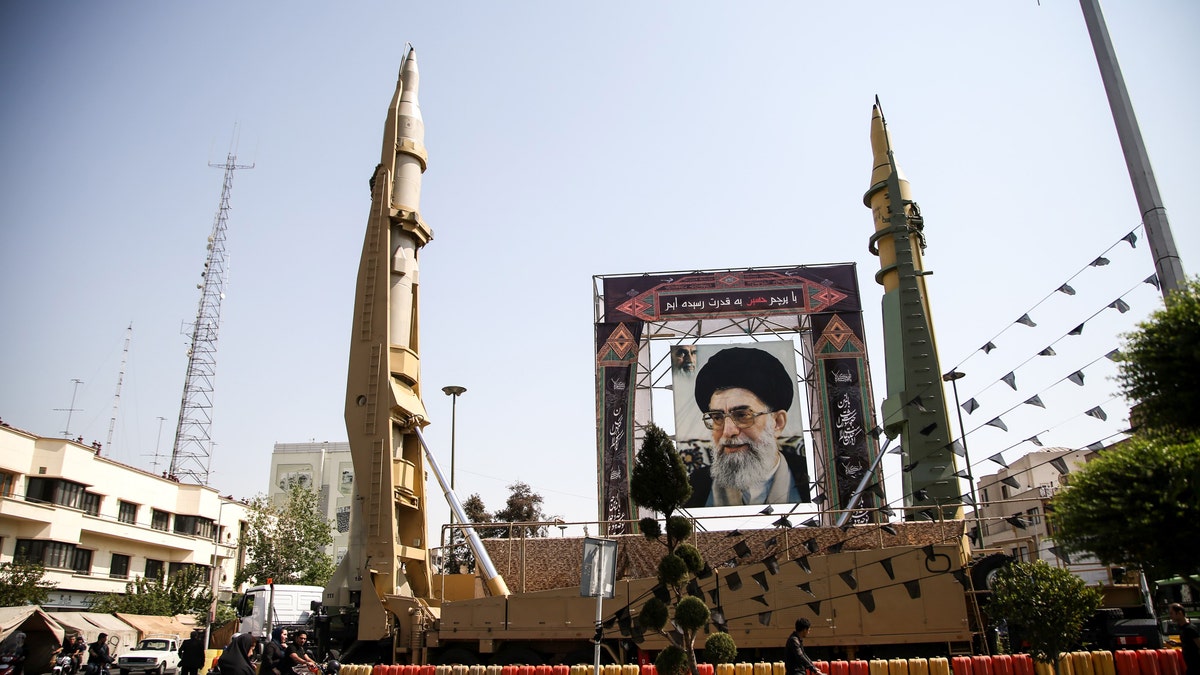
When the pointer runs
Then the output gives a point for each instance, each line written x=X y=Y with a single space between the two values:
x=616 y=365
x=847 y=420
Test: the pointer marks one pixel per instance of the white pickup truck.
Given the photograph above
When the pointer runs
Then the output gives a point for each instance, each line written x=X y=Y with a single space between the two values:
x=157 y=654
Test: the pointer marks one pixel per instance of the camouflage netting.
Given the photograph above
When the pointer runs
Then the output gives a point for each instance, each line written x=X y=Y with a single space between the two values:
x=555 y=562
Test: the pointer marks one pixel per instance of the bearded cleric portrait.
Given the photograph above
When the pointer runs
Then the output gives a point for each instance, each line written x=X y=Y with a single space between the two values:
x=743 y=396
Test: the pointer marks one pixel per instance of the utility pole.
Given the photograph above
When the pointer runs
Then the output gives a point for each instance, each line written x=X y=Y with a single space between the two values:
x=1167 y=263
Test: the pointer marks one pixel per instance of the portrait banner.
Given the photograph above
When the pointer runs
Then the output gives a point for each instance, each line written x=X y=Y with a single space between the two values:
x=764 y=462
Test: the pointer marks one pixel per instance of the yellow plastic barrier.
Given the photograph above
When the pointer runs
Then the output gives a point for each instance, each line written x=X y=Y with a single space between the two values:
x=743 y=668
x=761 y=668
x=898 y=667
x=918 y=666
x=1103 y=663
x=1040 y=668
x=879 y=667
x=631 y=669
x=725 y=669
x=1081 y=663
x=939 y=665
x=445 y=670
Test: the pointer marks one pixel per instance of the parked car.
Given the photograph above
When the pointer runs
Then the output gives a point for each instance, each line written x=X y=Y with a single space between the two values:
x=157 y=654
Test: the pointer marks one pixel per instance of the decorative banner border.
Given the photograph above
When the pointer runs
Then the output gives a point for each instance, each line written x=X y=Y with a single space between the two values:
x=616 y=365
x=847 y=421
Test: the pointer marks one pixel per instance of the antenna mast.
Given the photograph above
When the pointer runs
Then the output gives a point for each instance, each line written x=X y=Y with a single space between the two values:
x=112 y=422
x=193 y=443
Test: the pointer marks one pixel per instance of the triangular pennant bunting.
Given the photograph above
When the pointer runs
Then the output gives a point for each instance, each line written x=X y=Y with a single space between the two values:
x=914 y=588
x=999 y=459
x=1098 y=413
x=807 y=588
x=1119 y=305
x=957 y=448
x=887 y=567
x=1060 y=464
x=1035 y=400
x=1114 y=355
x=998 y=423
x=1010 y=379
x=1096 y=447
x=1153 y=281
x=1066 y=288
x=1016 y=522
x=1076 y=377
x=1011 y=482
x=1048 y=351
x=761 y=579
x=1035 y=440
x=1100 y=262
x=868 y=601
x=970 y=406
x=1026 y=321
x=987 y=349
x=764 y=618
x=1077 y=330
x=762 y=599
x=1131 y=238
x=848 y=577
x=815 y=607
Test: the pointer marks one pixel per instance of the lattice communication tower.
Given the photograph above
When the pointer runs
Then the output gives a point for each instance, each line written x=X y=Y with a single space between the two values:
x=192 y=454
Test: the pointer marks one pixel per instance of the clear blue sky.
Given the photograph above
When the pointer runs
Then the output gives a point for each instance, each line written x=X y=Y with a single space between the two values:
x=565 y=140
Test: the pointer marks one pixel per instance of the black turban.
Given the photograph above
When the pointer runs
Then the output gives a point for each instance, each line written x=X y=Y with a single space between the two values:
x=745 y=368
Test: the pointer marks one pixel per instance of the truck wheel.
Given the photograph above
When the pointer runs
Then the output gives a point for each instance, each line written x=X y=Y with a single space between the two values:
x=161 y=670
x=983 y=571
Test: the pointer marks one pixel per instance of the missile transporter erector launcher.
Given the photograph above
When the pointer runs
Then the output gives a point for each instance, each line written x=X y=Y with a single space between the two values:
x=876 y=586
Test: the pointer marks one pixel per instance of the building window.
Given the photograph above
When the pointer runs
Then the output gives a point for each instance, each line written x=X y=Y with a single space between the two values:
x=54 y=554
x=160 y=520
x=154 y=569
x=1033 y=516
x=81 y=562
x=127 y=512
x=6 y=483
x=177 y=567
x=196 y=526
x=90 y=503
x=63 y=493
x=119 y=569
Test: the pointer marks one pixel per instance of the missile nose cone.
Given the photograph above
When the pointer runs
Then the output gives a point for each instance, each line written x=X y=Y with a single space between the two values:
x=881 y=145
x=411 y=82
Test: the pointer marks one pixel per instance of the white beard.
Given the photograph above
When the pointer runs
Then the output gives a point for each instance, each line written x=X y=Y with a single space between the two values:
x=748 y=470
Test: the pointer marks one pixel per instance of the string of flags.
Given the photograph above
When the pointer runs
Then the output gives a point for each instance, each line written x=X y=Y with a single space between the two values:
x=1066 y=289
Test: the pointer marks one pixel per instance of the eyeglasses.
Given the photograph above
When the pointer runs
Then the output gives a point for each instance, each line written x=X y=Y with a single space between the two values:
x=742 y=417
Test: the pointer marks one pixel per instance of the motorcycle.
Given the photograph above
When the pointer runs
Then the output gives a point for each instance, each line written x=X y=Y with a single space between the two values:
x=330 y=666
x=8 y=663
x=63 y=665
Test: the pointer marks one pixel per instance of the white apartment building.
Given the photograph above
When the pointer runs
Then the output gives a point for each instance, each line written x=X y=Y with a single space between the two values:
x=1013 y=510
x=325 y=467
x=96 y=523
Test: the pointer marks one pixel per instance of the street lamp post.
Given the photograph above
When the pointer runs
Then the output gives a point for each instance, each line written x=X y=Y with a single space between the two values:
x=953 y=377
x=453 y=391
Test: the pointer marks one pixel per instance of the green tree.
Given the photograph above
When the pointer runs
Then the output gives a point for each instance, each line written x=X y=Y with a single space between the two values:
x=659 y=482
x=1046 y=605
x=1160 y=364
x=286 y=542
x=1137 y=504
x=184 y=592
x=21 y=583
x=523 y=506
